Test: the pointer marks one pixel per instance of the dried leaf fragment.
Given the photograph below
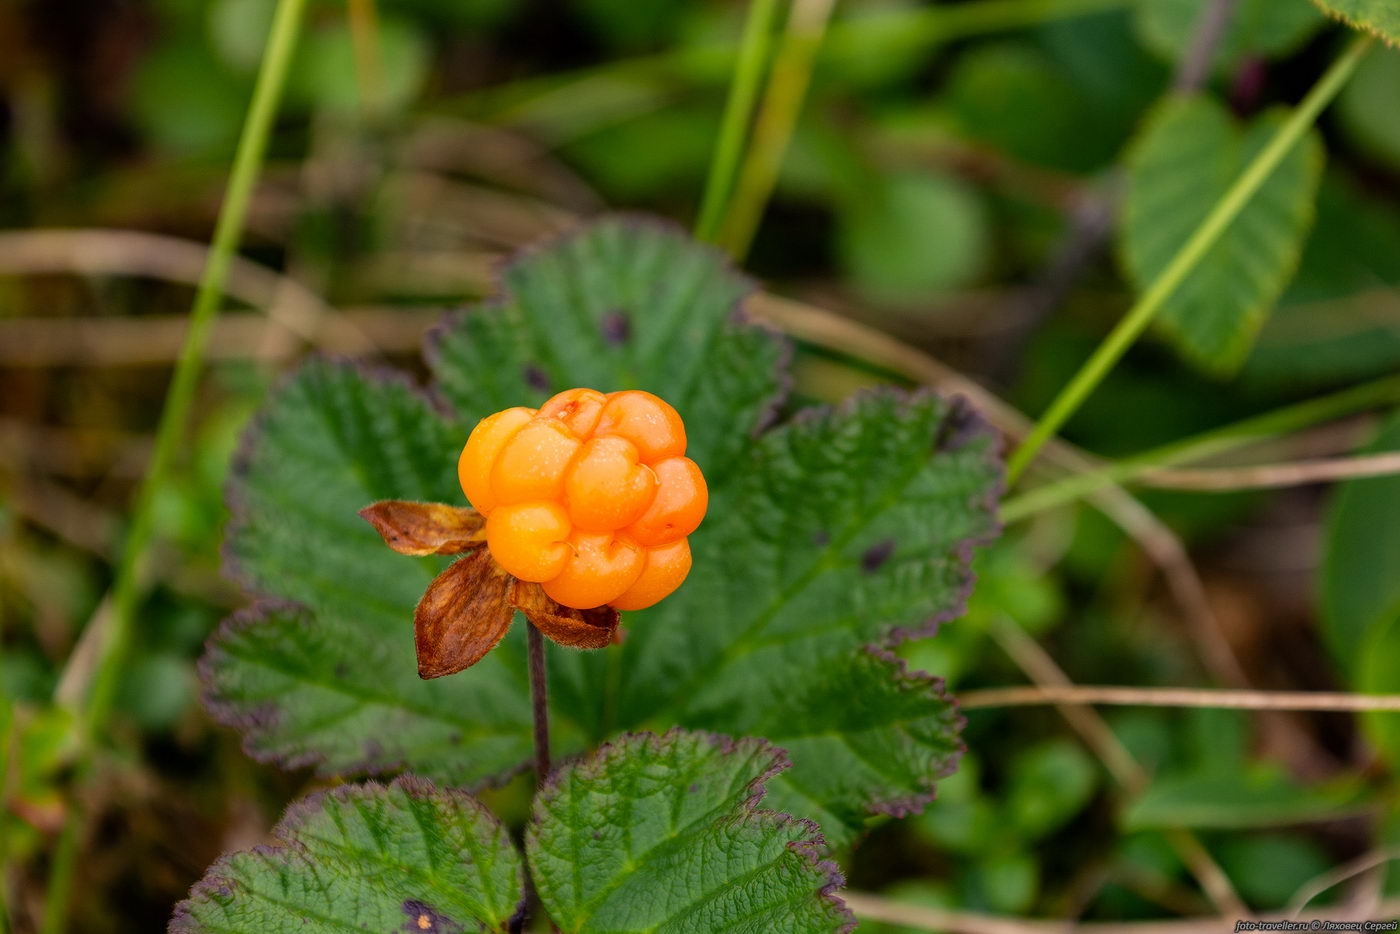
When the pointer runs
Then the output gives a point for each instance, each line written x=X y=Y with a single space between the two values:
x=578 y=629
x=465 y=611
x=426 y=528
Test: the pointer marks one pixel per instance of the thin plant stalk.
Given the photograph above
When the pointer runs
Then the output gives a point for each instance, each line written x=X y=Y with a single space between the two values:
x=1217 y=441
x=777 y=117
x=1212 y=698
x=1206 y=235
x=94 y=707
x=539 y=700
x=749 y=69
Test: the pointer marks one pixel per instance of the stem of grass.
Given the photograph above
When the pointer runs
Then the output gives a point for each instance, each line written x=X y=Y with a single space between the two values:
x=1208 y=444
x=1140 y=315
x=782 y=105
x=95 y=706
x=749 y=70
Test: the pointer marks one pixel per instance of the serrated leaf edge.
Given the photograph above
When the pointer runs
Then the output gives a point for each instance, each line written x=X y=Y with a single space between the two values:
x=1237 y=353
x=935 y=689
x=500 y=295
x=296 y=815
x=1368 y=28
x=813 y=848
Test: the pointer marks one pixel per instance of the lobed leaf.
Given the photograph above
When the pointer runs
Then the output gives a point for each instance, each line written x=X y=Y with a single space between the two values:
x=829 y=539
x=845 y=528
x=1185 y=159
x=325 y=674
x=664 y=834
x=625 y=303
x=407 y=857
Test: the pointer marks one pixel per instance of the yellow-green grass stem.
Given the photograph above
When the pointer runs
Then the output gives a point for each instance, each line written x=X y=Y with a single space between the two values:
x=94 y=706
x=749 y=71
x=1270 y=425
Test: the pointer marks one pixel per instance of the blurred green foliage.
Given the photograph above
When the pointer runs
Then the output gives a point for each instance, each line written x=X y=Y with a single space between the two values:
x=928 y=185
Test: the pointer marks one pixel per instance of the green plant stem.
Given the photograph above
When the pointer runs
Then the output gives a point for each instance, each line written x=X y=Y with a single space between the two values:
x=574 y=98
x=777 y=117
x=1207 y=444
x=112 y=648
x=749 y=70
x=1184 y=262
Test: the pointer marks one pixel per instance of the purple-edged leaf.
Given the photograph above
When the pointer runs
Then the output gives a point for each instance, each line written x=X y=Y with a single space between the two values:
x=664 y=834
x=624 y=303
x=332 y=681
x=407 y=857
x=845 y=529
x=866 y=737
x=848 y=527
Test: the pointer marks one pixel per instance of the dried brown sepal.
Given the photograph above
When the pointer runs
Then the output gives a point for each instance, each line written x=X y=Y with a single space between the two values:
x=426 y=528
x=465 y=611
x=577 y=629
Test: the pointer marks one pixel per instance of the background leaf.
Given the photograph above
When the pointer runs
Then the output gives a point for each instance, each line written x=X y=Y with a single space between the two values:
x=1360 y=580
x=1257 y=28
x=1186 y=157
x=404 y=857
x=1337 y=321
x=664 y=833
x=1363 y=107
x=1258 y=797
x=1378 y=17
x=908 y=237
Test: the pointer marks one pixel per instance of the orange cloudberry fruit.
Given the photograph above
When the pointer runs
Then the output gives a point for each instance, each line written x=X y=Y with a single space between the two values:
x=591 y=495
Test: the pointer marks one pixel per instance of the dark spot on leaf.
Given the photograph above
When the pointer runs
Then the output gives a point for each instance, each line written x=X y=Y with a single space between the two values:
x=424 y=919
x=694 y=789
x=617 y=327
x=455 y=739
x=341 y=669
x=876 y=555
x=536 y=378
x=597 y=835
x=821 y=538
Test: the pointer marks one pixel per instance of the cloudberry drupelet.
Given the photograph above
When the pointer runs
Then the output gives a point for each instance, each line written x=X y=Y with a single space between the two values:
x=591 y=495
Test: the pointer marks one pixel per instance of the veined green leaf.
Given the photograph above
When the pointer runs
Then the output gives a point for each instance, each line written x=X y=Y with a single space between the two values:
x=844 y=528
x=664 y=834
x=1187 y=156
x=829 y=539
x=626 y=303
x=407 y=857
x=326 y=676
